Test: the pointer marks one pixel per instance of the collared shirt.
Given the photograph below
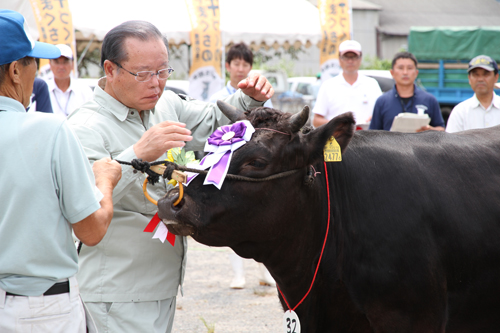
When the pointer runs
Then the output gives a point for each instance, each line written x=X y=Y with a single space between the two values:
x=64 y=103
x=337 y=96
x=229 y=90
x=48 y=185
x=470 y=114
x=128 y=265
x=390 y=104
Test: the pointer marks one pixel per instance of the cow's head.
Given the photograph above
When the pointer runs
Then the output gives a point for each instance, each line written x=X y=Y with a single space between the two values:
x=243 y=211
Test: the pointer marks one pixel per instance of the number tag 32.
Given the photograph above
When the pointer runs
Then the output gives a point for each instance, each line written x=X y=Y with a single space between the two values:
x=291 y=323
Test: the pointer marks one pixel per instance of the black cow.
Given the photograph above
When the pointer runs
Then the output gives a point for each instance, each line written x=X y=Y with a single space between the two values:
x=414 y=237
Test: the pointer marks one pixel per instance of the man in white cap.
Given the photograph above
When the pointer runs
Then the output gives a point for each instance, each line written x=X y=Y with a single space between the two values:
x=66 y=93
x=50 y=192
x=483 y=109
x=348 y=91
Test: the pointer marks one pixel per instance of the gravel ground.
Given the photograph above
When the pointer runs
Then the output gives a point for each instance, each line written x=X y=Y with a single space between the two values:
x=208 y=298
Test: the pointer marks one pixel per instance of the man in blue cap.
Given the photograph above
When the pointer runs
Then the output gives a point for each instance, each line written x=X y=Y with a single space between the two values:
x=49 y=191
x=483 y=109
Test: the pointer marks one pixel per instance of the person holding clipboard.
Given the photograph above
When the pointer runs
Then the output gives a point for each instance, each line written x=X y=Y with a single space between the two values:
x=406 y=98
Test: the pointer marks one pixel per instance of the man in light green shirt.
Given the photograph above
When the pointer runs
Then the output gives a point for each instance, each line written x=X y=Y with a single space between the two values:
x=48 y=192
x=130 y=281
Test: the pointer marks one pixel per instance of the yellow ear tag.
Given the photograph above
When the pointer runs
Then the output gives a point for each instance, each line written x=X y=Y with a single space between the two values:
x=331 y=151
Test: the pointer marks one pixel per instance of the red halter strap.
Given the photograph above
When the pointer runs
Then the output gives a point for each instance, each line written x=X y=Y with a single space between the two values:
x=322 y=249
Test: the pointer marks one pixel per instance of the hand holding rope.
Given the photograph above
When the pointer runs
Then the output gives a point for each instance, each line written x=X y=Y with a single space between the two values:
x=154 y=170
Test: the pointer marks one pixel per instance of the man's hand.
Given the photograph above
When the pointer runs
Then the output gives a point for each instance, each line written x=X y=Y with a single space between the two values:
x=257 y=87
x=92 y=228
x=430 y=128
x=107 y=172
x=160 y=138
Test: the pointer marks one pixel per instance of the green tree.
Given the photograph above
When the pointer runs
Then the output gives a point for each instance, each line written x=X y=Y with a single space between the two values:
x=374 y=62
x=92 y=58
x=261 y=58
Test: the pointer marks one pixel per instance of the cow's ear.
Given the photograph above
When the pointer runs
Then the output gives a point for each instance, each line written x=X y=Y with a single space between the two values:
x=341 y=127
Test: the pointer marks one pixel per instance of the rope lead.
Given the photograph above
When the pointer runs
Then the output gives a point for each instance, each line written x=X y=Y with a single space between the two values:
x=153 y=177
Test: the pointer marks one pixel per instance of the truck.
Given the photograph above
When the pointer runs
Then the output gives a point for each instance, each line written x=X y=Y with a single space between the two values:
x=443 y=55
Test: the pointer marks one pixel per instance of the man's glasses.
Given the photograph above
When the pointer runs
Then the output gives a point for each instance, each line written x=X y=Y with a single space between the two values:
x=353 y=57
x=145 y=76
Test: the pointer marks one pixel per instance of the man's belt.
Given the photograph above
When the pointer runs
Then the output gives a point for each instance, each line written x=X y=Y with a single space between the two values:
x=56 y=289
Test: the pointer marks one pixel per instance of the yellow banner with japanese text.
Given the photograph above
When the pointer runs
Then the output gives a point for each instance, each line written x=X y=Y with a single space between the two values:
x=206 y=48
x=55 y=24
x=206 y=44
x=335 y=20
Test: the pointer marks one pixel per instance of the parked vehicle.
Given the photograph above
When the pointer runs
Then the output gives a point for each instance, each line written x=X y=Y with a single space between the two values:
x=284 y=99
x=443 y=54
x=303 y=90
x=90 y=82
x=383 y=78
x=178 y=86
x=304 y=85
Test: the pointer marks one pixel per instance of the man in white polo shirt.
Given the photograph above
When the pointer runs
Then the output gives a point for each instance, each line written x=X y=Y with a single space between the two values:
x=348 y=91
x=483 y=109
x=66 y=93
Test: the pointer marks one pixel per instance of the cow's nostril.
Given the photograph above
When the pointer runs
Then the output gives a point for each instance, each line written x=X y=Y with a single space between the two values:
x=179 y=205
x=180 y=196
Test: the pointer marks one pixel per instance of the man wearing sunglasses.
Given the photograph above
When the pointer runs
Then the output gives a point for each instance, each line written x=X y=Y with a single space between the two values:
x=130 y=281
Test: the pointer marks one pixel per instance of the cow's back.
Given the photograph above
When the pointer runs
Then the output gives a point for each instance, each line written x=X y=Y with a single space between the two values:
x=422 y=212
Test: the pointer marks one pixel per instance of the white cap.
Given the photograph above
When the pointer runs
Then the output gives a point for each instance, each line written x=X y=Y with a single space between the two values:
x=350 y=46
x=65 y=51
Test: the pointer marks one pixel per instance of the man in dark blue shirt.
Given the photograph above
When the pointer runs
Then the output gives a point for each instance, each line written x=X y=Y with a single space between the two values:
x=405 y=97
x=40 y=98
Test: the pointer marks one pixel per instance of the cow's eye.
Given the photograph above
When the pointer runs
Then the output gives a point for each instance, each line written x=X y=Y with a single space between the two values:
x=259 y=164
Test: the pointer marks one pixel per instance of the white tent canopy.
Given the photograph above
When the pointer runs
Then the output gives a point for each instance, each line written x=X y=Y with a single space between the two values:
x=258 y=22
x=97 y=17
x=23 y=7
x=270 y=22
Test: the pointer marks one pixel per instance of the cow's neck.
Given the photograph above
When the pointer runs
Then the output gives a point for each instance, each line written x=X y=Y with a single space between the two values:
x=294 y=261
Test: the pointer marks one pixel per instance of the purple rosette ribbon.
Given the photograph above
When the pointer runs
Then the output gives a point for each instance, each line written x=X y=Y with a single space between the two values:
x=220 y=146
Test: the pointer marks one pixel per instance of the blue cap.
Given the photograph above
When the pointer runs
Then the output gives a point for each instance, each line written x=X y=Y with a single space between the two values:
x=16 y=43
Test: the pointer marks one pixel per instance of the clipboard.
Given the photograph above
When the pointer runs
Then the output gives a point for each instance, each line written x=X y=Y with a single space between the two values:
x=408 y=122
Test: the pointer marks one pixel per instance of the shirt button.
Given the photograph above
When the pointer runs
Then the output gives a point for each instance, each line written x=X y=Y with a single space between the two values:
x=132 y=112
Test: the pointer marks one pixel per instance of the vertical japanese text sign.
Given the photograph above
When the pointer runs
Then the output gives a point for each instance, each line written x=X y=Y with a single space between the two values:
x=206 y=48
x=54 y=22
x=335 y=20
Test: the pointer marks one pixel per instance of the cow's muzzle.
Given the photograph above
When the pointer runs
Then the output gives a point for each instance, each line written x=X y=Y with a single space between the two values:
x=172 y=215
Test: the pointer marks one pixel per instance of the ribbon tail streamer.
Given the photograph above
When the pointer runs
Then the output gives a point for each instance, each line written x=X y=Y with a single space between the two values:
x=218 y=172
x=153 y=223
x=171 y=238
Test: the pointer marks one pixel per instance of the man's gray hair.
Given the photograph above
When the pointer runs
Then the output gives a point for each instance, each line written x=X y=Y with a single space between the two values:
x=112 y=45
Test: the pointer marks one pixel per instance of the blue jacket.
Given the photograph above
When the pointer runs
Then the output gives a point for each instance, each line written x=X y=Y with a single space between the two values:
x=41 y=96
x=389 y=105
